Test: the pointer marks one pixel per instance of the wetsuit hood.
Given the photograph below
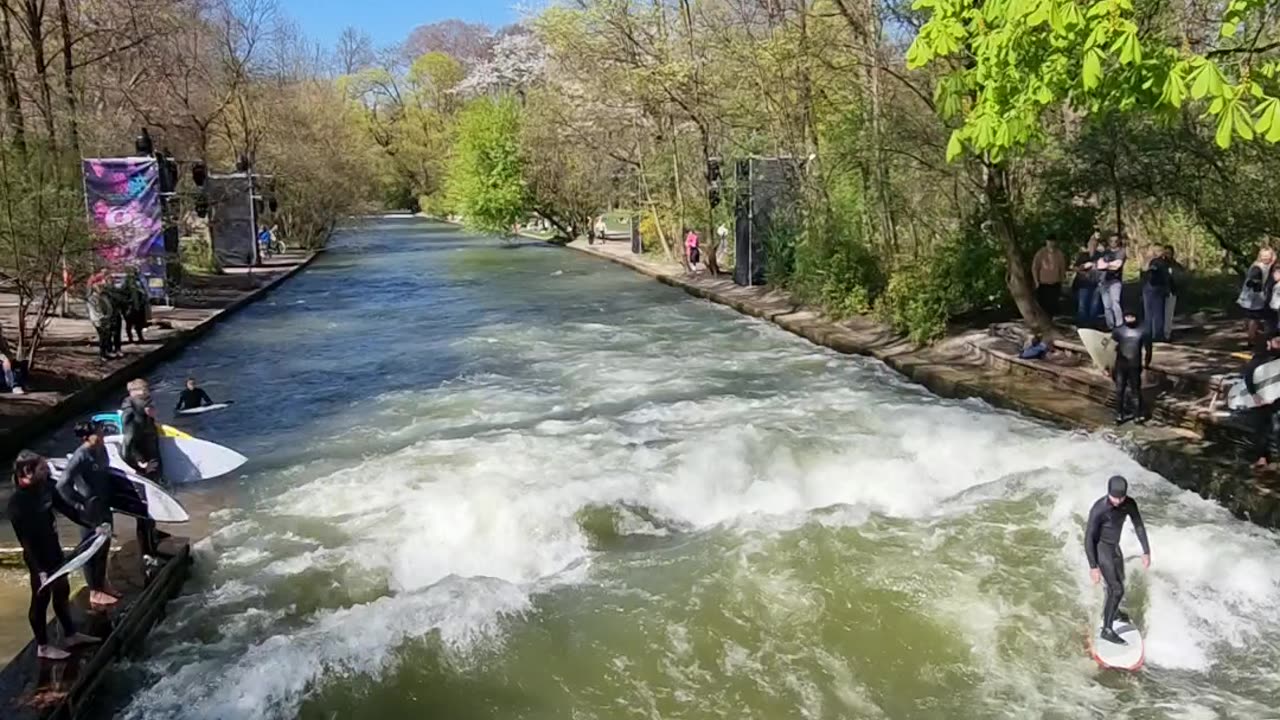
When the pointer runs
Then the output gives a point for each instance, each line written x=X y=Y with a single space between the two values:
x=1117 y=487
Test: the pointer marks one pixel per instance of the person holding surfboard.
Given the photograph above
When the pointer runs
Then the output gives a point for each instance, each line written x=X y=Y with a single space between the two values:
x=1265 y=414
x=1102 y=549
x=193 y=397
x=142 y=453
x=30 y=512
x=86 y=486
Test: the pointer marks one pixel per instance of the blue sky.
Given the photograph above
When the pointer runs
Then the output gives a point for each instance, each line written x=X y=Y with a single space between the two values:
x=389 y=21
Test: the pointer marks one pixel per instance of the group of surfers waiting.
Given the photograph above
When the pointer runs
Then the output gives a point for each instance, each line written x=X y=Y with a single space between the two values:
x=83 y=494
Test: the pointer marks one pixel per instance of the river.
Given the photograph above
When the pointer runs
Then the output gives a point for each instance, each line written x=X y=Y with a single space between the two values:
x=517 y=482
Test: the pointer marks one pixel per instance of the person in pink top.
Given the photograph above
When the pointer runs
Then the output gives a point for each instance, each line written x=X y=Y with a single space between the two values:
x=691 y=249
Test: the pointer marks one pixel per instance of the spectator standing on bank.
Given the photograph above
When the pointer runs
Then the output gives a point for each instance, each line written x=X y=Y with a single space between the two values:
x=1157 y=283
x=1048 y=270
x=1085 y=284
x=98 y=305
x=1111 y=282
x=135 y=305
x=1177 y=275
x=1255 y=293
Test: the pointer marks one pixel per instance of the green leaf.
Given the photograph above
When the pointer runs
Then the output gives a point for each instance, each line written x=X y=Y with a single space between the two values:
x=1092 y=68
x=1223 y=136
x=1242 y=121
x=955 y=148
x=1228 y=30
x=1268 y=124
x=1206 y=80
x=1099 y=9
x=1175 y=90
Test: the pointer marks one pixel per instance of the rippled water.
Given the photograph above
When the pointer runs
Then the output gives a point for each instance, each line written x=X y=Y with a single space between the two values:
x=494 y=482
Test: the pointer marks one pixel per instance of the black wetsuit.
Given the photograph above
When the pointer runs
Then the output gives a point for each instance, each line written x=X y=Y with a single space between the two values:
x=142 y=452
x=86 y=486
x=193 y=398
x=1102 y=547
x=30 y=512
x=1264 y=417
x=1131 y=342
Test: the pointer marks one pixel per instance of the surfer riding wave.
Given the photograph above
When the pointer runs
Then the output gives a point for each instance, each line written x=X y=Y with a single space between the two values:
x=1102 y=548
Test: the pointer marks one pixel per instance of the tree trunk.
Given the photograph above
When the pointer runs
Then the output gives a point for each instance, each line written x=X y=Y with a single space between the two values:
x=68 y=80
x=1019 y=278
x=35 y=36
x=9 y=81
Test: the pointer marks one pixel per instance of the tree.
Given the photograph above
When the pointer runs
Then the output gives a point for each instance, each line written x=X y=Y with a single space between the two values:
x=354 y=51
x=1007 y=66
x=44 y=239
x=486 y=177
x=469 y=43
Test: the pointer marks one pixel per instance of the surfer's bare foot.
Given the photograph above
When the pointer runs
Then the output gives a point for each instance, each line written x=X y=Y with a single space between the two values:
x=100 y=598
x=1110 y=636
x=110 y=590
x=49 y=652
x=81 y=639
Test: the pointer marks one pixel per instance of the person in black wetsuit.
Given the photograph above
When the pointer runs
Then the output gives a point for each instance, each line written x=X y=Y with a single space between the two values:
x=86 y=486
x=192 y=397
x=142 y=453
x=1102 y=548
x=1131 y=344
x=30 y=512
x=1264 y=416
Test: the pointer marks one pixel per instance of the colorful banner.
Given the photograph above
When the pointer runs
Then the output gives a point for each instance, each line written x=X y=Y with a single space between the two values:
x=123 y=199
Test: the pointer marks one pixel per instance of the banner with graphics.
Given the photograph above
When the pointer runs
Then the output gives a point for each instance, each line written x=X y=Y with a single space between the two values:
x=123 y=199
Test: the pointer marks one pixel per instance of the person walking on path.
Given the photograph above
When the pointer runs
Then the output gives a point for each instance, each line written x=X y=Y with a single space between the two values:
x=1255 y=293
x=1157 y=284
x=691 y=251
x=1048 y=270
x=98 y=306
x=1111 y=282
x=1085 y=285
x=1133 y=353
x=30 y=511
x=135 y=306
x=1102 y=549
x=86 y=486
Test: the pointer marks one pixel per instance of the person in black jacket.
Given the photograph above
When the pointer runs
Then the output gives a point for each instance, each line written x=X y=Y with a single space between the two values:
x=86 y=485
x=30 y=512
x=1102 y=548
x=193 y=397
x=142 y=453
x=1133 y=353
x=1157 y=286
x=1265 y=414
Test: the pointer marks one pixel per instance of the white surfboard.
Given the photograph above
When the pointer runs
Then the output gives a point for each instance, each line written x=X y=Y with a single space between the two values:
x=1267 y=380
x=1100 y=346
x=205 y=408
x=79 y=558
x=160 y=505
x=1129 y=656
x=185 y=458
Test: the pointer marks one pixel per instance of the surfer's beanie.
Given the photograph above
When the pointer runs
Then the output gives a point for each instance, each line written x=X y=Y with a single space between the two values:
x=1117 y=486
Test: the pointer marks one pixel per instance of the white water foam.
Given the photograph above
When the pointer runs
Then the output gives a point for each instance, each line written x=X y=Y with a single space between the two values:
x=451 y=532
